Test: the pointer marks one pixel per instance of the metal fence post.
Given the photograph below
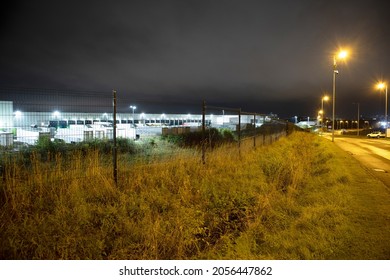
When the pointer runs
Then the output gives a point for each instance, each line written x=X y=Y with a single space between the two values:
x=239 y=128
x=254 y=135
x=114 y=152
x=203 y=132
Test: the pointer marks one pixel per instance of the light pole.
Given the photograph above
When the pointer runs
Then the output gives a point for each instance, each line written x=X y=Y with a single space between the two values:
x=324 y=98
x=319 y=117
x=133 y=107
x=341 y=55
x=358 y=117
x=381 y=86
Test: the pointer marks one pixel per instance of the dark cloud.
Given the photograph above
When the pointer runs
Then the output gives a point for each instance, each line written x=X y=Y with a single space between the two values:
x=263 y=55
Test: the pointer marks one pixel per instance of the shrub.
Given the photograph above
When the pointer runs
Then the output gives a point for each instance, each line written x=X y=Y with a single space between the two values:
x=213 y=137
x=228 y=135
x=45 y=147
x=126 y=145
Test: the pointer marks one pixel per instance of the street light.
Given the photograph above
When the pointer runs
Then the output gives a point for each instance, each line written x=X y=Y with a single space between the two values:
x=56 y=114
x=18 y=114
x=324 y=98
x=319 y=117
x=382 y=86
x=133 y=107
x=341 y=55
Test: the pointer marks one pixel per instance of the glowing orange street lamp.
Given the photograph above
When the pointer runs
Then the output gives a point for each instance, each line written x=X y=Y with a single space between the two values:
x=341 y=55
x=324 y=98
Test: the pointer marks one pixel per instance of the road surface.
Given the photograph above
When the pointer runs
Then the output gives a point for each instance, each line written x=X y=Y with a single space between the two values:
x=374 y=154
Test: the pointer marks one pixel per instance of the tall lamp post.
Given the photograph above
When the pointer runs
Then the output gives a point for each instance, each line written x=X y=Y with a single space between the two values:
x=358 y=117
x=382 y=86
x=133 y=107
x=324 y=98
x=319 y=117
x=340 y=55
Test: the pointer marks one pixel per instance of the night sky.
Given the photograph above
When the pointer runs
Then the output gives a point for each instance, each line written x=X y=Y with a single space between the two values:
x=264 y=56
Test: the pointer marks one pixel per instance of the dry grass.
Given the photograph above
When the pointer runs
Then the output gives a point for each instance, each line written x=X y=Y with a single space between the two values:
x=289 y=200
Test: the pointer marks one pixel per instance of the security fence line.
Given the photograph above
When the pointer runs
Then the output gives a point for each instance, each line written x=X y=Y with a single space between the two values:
x=240 y=113
x=33 y=117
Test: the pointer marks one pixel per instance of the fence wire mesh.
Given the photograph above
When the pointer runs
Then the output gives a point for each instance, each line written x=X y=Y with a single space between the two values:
x=39 y=124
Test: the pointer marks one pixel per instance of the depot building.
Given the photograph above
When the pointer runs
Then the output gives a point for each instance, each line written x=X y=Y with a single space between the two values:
x=28 y=126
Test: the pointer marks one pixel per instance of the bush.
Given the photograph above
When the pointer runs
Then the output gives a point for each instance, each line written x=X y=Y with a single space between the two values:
x=126 y=145
x=45 y=147
x=213 y=137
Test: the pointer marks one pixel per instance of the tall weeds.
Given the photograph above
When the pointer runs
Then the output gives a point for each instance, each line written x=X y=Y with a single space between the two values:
x=263 y=203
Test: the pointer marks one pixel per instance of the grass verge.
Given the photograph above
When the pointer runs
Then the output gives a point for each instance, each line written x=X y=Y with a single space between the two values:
x=299 y=198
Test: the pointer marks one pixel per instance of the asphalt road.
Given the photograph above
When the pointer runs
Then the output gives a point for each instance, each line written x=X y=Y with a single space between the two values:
x=373 y=154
